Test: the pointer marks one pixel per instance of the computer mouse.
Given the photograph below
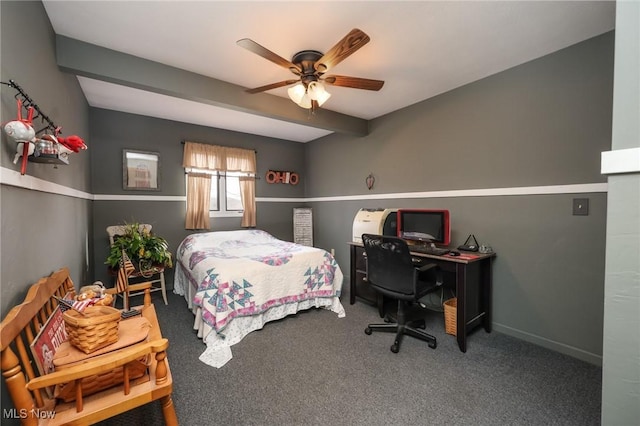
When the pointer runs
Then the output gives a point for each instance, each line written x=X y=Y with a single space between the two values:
x=454 y=253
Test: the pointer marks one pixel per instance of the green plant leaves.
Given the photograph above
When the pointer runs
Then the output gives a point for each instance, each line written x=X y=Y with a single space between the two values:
x=139 y=245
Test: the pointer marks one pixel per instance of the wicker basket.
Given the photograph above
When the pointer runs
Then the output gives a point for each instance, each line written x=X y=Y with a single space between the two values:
x=450 y=312
x=97 y=328
x=98 y=382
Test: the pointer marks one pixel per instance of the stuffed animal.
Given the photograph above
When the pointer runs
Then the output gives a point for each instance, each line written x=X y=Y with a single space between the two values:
x=95 y=292
x=72 y=143
x=21 y=131
x=20 y=151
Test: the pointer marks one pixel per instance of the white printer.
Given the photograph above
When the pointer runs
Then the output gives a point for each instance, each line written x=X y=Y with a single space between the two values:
x=374 y=221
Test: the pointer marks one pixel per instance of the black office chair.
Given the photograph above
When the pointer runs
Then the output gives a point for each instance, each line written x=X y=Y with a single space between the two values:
x=390 y=271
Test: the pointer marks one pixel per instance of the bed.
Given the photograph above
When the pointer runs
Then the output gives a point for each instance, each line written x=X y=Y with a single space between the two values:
x=236 y=281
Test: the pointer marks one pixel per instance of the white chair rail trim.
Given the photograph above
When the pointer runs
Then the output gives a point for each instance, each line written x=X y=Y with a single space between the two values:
x=13 y=178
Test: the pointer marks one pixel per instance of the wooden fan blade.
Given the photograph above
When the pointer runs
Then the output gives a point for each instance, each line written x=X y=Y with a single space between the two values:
x=354 y=82
x=272 y=86
x=345 y=47
x=254 y=47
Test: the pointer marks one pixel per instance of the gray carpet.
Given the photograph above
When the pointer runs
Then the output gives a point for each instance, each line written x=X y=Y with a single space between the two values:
x=315 y=368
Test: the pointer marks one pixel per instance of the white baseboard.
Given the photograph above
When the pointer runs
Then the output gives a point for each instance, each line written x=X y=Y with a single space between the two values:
x=583 y=355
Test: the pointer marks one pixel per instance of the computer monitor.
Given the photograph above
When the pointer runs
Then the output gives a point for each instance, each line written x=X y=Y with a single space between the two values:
x=430 y=226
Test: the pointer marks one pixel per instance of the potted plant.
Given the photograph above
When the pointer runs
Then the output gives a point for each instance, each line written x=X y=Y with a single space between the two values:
x=146 y=251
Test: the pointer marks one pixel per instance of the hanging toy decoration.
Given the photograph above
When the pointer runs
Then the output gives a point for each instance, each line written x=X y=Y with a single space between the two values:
x=46 y=145
x=71 y=144
x=47 y=148
x=22 y=133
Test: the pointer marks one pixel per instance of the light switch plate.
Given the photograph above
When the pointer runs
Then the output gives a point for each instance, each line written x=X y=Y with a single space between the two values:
x=580 y=206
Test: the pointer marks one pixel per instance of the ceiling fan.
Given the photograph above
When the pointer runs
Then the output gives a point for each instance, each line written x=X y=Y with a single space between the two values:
x=310 y=66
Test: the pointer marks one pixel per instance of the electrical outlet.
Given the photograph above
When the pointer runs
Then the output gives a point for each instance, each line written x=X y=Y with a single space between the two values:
x=580 y=206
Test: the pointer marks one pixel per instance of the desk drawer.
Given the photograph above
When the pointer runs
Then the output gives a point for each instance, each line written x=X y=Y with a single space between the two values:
x=363 y=289
x=359 y=286
x=360 y=259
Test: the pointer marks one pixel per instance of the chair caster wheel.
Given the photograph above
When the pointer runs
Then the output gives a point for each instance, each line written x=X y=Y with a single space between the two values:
x=395 y=348
x=367 y=331
x=433 y=345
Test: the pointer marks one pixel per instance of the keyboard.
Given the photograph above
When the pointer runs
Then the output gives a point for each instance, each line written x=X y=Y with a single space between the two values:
x=437 y=251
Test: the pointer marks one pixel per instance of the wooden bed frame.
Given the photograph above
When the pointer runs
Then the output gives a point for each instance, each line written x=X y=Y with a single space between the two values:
x=32 y=404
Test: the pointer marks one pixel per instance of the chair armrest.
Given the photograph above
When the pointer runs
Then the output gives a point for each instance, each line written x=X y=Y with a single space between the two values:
x=101 y=364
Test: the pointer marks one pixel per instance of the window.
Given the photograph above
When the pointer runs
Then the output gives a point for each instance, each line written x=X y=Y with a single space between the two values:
x=211 y=184
x=225 y=200
x=225 y=195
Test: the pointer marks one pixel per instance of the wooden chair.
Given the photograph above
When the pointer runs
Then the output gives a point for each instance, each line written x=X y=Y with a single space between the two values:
x=26 y=386
x=156 y=277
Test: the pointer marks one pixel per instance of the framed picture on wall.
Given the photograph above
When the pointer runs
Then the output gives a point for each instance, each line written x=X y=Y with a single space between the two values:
x=140 y=170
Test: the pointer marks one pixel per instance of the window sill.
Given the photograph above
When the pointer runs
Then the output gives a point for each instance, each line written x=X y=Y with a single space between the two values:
x=225 y=214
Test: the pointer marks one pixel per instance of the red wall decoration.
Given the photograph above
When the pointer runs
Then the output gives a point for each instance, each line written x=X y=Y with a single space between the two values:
x=274 y=176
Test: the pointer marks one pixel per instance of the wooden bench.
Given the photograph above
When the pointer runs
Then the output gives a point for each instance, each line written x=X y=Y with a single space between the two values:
x=26 y=386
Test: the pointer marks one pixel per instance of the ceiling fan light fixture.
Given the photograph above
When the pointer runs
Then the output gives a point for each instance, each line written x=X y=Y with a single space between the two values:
x=297 y=92
x=303 y=96
x=305 y=102
x=318 y=93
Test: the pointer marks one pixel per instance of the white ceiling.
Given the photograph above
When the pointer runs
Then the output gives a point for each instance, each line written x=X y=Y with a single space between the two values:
x=419 y=48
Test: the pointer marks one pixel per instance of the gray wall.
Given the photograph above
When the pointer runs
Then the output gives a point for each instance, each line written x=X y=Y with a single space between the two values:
x=111 y=132
x=40 y=232
x=543 y=123
x=621 y=351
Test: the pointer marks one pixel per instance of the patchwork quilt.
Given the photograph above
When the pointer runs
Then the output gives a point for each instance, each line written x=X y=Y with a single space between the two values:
x=239 y=274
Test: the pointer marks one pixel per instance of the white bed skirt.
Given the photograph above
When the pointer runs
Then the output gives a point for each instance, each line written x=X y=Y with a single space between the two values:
x=218 y=351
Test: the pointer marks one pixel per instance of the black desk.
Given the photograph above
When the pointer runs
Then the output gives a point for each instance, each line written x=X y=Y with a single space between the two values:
x=469 y=274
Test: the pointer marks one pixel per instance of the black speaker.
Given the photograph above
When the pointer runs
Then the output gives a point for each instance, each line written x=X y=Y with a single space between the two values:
x=390 y=226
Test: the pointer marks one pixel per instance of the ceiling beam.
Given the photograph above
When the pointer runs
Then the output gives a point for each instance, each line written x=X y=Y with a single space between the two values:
x=99 y=63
